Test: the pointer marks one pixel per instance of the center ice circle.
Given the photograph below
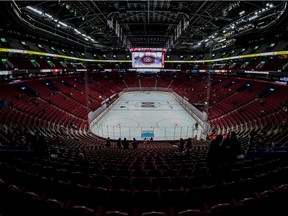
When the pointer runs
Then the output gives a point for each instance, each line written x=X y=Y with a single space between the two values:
x=147 y=104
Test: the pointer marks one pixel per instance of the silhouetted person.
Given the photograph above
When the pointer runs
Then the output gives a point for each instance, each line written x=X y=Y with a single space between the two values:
x=230 y=148
x=81 y=159
x=181 y=145
x=80 y=156
x=119 y=143
x=135 y=143
x=108 y=142
x=214 y=154
x=125 y=143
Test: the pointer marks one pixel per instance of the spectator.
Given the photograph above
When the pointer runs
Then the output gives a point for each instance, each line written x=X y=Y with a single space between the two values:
x=80 y=156
x=135 y=143
x=181 y=145
x=108 y=142
x=81 y=159
x=119 y=143
x=125 y=143
x=196 y=126
x=230 y=150
x=214 y=154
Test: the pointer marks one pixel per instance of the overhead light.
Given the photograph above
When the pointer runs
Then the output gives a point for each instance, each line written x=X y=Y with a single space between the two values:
x=35 y=10
x=77 y=31
x=242 y=13
x=48 y=15
x=269 y=5
x=253 y=17
x=63 y=24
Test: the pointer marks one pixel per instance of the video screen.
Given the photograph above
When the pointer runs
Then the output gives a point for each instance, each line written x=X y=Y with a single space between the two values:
x=147 y=59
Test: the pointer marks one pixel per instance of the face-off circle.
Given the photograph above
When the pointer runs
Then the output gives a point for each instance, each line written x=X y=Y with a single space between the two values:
x=124 y=123
x=170 y=124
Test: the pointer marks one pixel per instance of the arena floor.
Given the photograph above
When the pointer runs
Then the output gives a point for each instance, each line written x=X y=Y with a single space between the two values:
x=147 y=114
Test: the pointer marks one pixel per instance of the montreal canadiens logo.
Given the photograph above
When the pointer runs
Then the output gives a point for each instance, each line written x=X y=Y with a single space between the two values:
x=148 y=59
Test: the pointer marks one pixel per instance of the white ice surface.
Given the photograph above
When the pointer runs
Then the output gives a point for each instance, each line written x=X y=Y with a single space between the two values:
x=167 y=120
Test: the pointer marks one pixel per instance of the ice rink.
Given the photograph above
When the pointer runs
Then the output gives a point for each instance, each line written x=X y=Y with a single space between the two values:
x=146 y=114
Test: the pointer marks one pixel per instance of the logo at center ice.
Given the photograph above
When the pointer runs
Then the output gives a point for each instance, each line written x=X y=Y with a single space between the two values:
x=148 y=59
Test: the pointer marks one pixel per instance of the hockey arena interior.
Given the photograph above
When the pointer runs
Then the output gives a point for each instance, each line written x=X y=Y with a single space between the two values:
x=143 y=108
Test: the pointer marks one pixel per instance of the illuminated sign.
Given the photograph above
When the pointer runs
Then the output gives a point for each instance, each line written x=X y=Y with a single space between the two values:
x=5 y=72
x=257 y=72
x=133 y=50
x=148 y=50
x=148 y=59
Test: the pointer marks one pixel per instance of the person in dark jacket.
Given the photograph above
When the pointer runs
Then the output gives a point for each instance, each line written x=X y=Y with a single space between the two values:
x=214 y=154
x=231 y=149
x=135 y=143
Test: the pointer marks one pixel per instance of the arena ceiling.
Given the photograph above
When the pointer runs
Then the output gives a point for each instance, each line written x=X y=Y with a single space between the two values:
x=118 y=25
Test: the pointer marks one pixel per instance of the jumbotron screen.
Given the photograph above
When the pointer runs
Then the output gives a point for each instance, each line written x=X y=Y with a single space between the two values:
x=148 y=57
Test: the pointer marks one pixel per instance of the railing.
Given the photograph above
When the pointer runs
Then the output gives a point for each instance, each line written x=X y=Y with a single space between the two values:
x=141 y=132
